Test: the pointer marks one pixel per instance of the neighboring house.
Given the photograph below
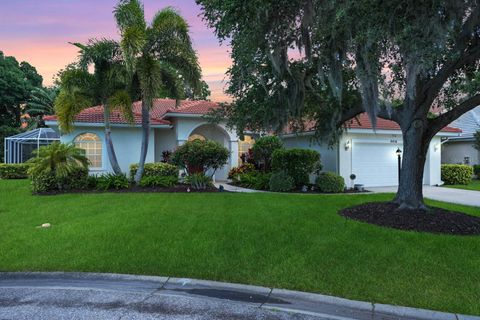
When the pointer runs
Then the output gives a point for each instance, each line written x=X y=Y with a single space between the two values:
x=460 y=149
x=370 y=155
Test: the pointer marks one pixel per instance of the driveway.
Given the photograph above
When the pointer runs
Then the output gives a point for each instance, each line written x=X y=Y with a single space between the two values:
x=111 y=296
x=459 y=196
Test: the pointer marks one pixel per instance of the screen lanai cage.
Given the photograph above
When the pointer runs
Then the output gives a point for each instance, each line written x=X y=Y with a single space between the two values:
x=19 y=148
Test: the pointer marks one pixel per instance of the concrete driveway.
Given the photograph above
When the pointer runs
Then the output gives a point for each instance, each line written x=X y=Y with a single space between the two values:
x=459 y=196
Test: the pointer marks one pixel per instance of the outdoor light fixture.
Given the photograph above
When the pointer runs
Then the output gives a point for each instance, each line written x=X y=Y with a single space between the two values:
x=347 y=145
x=398 y=152
x=399 y=155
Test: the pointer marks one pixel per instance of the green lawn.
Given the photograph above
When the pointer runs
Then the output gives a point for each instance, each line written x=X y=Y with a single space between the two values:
x=474 y=185
x=288 y=241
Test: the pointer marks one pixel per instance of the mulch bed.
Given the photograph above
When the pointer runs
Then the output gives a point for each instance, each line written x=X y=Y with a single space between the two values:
x=309 y=190
x=136 y=189
x=434 y=220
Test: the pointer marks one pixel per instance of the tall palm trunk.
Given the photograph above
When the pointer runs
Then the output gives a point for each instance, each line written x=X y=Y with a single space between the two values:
x=112 y=157
x=145 y=138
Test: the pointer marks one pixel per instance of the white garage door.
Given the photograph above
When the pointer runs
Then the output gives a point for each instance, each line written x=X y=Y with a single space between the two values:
x=375 y=163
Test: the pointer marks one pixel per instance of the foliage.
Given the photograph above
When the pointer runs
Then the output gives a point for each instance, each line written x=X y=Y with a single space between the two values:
x=42 y=102
x=244 y=168
x=297 y=163
x=280 y=181
x=456 y=174
x=330 y=182
x=158 y=181
x=14 y=170
x=198 y=181
x=476 y=143
x=111 y=181
x=258 y=180
x=156 y=169
x=476 y=170
x=57 y=159
x=264 y=148
x=199 y=156
x=46 y=181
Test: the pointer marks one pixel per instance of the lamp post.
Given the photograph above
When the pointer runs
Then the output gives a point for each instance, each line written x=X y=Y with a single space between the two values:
x=399 y=156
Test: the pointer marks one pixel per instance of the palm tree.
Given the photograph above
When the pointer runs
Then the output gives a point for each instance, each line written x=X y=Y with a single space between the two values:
x=81 y=89
x=42 y=101
x=159 y=58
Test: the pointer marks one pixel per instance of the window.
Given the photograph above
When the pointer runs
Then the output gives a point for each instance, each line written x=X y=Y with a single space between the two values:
x=243 y=147
x=194 y=137
x=92 y=145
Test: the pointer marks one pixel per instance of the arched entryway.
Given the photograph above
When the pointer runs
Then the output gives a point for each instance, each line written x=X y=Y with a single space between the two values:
x=218 y=134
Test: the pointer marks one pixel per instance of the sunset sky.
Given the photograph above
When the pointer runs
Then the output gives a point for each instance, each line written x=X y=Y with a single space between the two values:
x=38 y=31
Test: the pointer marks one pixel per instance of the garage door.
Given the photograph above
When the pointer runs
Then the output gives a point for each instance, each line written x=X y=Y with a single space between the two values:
x=375 y=163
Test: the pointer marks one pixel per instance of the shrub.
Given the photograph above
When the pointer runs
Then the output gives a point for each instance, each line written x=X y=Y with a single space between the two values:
x=330 y=182
x=456 y=173
x=297 y=163
x=199 y=181
x=158 y=181
x=281 y=182
x=476 y=170
x=244 y=168
x=263 y=149
x=255 y=180
x=198 y=156
x=112 y=181
x=157 y=169
x=46 y=181
x=14 y=171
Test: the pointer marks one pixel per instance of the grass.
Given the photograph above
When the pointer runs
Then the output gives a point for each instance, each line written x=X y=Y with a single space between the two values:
x=281 y=240
x=474 y=185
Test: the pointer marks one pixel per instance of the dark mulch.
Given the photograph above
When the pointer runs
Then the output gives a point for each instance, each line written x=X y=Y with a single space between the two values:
x=136 y=189
x=309 y=190
x=434 y=220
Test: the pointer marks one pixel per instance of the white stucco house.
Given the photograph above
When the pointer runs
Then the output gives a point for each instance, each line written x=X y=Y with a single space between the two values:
x=370 y=155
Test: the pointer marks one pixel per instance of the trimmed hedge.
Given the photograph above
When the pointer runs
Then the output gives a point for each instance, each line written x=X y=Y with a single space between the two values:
x=158 y=182
x=456 y=173
x=476 y=170
x=255 y=180
x=157 y=169
x=281 y=182
x=330 y=182
x=297 y=163
x=263 y=150
x=77 y=179
x=14 y=170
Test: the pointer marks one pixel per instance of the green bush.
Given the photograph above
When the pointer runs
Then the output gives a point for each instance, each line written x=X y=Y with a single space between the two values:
x=234 y=173
x=255 y=180
x=476 y=170
x=280 y=181
x=46 y=181
x=158 y=181
x=14 y=171
x=456 y=173
x=198 y=181
x=157 y=169
x=297 y=163
x=330 y=182
x=263 y=149
x=111 y=181
x=198 y=156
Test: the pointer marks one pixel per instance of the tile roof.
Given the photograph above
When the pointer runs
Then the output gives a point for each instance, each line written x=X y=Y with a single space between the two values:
x=468 y=122
x=160 y=108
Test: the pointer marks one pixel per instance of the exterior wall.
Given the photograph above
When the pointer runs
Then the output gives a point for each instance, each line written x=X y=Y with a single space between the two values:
x=455 y=152
x=328 y=156
x=165 y=139
x=127 y=143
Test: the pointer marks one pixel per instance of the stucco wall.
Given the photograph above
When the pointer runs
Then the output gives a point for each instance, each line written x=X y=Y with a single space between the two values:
x=165 y=139
x=127 y=143
x=456 y=151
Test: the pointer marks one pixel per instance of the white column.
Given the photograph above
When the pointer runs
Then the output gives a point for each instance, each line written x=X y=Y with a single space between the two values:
x=233 y=154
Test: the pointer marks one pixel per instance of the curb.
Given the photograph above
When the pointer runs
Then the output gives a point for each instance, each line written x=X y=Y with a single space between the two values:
x=257 y=296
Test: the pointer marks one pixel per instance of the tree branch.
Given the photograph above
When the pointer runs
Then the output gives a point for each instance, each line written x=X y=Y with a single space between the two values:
x=467 y=45
x=437 y=124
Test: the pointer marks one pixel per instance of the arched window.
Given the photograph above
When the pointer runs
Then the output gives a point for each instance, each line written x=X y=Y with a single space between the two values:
x=92 y=145
x=196 y=137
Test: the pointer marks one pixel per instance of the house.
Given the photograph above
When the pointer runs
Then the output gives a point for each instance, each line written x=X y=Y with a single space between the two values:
x=460 y=149
x=370 y=155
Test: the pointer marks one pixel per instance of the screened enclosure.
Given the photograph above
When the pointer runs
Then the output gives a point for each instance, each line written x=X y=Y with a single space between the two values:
x=19 y=148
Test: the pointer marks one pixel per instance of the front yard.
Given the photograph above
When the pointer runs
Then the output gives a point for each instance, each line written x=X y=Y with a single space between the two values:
x=474 y=185
x=288 y=241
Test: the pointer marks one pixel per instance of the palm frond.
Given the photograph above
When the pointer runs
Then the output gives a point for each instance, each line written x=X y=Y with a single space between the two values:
x=150 y=77
x=121 y=100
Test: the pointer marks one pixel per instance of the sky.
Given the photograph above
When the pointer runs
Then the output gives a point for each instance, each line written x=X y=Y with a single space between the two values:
x=38 y=31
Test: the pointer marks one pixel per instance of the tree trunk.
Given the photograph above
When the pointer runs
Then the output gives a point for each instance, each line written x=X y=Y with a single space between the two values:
x=415 y=147
x=112 y=157
x=145 y=137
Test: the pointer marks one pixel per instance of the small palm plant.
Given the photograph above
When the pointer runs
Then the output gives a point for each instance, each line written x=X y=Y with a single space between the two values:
x=57 y=159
